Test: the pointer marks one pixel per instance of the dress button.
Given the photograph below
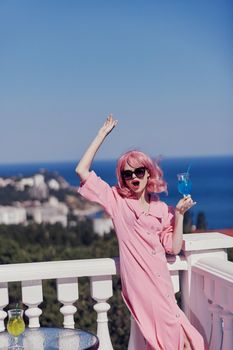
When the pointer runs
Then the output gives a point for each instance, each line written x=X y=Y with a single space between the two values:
x=146 y=214
x=152 y=227
x=168 y=295
x=153 y=252
x=158 y=274
x=177 y=315
x=148 y=233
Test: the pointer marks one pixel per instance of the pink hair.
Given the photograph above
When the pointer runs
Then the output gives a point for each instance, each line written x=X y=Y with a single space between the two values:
x=135 y=159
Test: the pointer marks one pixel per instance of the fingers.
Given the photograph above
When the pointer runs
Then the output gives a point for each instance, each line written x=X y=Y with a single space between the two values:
x=110 y=122
x=185 y=204
x=110 y=118
x=188 y=202
x=108 y=126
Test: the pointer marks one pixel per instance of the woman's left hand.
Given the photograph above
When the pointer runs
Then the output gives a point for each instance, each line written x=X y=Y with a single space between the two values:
x=185 y=204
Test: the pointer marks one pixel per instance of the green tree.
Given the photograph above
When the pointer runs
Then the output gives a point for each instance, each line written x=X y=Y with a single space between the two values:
x=201 y=221
x=188 y=222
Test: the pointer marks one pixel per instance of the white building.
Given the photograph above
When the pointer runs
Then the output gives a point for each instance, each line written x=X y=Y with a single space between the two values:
x=12 y=215
x=54 y=184
x=102 y=225
x=50 y=212
x=5 y=182
x=39 y=189
x=38 y=180
x=22 y=183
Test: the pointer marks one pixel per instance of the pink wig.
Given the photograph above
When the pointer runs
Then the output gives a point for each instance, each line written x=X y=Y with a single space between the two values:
x=136 y=159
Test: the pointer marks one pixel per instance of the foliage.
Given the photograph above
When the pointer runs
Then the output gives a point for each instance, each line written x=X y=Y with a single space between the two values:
x=230 y=254
x=188 y=222
x=9 y=195
x=201 y=221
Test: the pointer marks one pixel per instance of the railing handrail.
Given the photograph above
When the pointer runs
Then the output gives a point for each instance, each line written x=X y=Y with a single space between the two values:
x=58 y=269
x=177 y=262
x=219 y=268
x=72 y=268
x=206 y=241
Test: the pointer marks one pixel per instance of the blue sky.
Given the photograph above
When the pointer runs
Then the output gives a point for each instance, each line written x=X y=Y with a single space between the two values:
x=163 y=68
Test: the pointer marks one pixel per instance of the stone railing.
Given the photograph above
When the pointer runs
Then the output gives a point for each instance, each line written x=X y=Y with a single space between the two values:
x=215 y=279
x=66 y=273
x=202 y=274
x=207 y=286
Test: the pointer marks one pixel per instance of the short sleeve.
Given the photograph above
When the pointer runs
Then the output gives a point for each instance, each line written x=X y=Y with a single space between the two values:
x=168 y=227
x=97 y=190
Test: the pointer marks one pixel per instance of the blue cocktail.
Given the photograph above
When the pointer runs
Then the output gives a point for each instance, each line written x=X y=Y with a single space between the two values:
x=184 y=184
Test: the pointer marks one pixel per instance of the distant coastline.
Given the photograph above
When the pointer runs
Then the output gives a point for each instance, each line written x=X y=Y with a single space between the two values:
x=211 y=176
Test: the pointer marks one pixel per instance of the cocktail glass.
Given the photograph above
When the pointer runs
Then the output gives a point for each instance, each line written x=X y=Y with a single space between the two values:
x=184 y=184
x=15 y=326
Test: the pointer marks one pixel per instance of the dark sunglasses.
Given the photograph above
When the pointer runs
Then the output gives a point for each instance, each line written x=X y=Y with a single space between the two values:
x=138 y=172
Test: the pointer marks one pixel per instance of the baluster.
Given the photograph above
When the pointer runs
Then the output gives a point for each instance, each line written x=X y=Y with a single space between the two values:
x=34 y=340
x=32 y=296
x=101 y=290
x=4 y=340
x=216 y=328
x=68 y=342
x=67 y=294
x=4 y=301
x=227 y=343
x=136 y=339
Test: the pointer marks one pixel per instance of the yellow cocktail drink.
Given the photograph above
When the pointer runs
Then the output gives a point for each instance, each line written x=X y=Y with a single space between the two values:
x=16 y=326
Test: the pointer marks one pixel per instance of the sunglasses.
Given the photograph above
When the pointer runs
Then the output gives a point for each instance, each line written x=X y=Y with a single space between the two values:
x=138 y=172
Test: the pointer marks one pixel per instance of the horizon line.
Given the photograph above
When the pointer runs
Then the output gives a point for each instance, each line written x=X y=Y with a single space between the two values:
x=161 y=157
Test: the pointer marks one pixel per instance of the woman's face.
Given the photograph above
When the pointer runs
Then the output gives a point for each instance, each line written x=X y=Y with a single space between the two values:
x=135 y=178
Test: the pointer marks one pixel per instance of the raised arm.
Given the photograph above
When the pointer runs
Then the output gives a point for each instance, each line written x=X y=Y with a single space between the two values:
x=83 y=167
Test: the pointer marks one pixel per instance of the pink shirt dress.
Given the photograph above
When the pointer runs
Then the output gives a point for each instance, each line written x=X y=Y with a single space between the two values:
x=144 y=239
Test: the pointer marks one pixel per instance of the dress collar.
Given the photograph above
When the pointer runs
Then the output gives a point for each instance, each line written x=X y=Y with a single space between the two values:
x=155 y=208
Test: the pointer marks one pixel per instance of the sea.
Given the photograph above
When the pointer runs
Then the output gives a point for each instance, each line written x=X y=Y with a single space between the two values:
x=212 y=182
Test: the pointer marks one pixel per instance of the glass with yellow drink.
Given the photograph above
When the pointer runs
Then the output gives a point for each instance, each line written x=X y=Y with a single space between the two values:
x=15 y=326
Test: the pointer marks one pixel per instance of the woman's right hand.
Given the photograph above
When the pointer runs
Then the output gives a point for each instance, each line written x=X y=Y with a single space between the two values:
x=108 y=126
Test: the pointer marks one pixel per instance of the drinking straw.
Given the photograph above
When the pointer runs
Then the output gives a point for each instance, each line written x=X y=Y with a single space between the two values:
x=189 y=167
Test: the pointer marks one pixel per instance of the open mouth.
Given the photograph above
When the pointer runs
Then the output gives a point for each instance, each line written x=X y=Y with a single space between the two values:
x=135 y=183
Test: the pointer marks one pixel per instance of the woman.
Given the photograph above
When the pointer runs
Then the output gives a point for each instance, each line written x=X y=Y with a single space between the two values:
x=146 y=229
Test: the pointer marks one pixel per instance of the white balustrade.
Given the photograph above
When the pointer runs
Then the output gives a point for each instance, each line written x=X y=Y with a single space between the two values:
x=101 y=291
x=216 y=274
x=74 y=342
x=66 y=273
x=4 y=300
x=202 y=273
x=136 y=339
x=216 y=331
x=32 y=296
x=34 y=340
x=227 y=341
x=67 y=294
x=4 y=340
